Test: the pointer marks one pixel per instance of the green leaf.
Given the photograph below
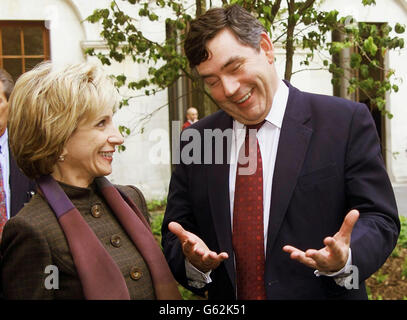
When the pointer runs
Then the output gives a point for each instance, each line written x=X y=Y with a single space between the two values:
x=105 y=13
x=364 y=70
x=124 y=131
x=369 y=46
x=399 y=28
x=355 y=60
x=368 y=2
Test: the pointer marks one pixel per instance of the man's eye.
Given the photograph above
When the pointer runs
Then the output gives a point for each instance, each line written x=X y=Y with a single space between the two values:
x=236 y=67
x=212 y=83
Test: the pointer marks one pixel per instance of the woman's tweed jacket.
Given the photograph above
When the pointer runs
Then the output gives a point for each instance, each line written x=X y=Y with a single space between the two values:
x=33 y=240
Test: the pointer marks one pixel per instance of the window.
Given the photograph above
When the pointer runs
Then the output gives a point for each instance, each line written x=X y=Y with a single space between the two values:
x=23 y=44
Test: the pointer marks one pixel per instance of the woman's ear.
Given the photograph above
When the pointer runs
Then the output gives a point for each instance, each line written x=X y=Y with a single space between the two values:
x=63 y=154
x=267 y=47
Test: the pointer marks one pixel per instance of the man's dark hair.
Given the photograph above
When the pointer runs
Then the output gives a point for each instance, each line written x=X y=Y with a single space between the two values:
x=244 y=26
x=8 y=83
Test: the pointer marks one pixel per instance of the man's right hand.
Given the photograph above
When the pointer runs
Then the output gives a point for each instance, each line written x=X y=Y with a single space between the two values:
x=195 y=250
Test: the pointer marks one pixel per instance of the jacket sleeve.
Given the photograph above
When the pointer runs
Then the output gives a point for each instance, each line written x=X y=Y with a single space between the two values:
x=25 y=252
x=368 y=189
x=178 y=209
x=138 y=198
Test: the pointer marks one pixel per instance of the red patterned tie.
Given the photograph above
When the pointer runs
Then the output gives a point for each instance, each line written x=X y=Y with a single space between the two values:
x=3 y=210
x=248 y=236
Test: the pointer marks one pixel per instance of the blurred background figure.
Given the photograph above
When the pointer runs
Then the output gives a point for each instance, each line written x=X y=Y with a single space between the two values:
x=15 y=188
x=192 y=117
x=95 y=236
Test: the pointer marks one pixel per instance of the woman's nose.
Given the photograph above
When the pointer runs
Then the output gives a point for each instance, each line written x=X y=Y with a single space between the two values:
x=115 y=138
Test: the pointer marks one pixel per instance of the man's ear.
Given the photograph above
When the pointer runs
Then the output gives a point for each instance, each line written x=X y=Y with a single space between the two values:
x=267 y=47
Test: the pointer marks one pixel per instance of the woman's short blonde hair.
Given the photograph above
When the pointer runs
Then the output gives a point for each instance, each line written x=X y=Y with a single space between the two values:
x=46 y=106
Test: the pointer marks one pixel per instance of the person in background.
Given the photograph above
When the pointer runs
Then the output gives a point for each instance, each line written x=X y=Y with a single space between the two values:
x=15 y=188
x=80 y=237
x=192 y=117
x=301 y=207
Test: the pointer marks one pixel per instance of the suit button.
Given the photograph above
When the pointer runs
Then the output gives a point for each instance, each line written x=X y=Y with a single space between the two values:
x=96 y=211
x=116 y=241
x=135 y=273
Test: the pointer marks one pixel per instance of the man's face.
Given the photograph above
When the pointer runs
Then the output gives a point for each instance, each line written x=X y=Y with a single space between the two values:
x=3 y=109
x=239 y=77
x=192 y=115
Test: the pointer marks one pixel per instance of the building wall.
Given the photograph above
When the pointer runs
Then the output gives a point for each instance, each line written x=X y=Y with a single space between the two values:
x=70 y=35
x=390 y=11
x=145 y=163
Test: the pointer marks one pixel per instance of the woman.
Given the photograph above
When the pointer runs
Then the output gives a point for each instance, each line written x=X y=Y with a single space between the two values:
x=80 y=237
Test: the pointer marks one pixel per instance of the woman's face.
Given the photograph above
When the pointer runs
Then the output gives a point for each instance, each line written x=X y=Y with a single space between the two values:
x=88 y=153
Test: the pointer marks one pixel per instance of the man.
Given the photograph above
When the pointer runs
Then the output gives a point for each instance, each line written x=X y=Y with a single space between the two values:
x=18 y=189
x=324 y=217
x=192 y=117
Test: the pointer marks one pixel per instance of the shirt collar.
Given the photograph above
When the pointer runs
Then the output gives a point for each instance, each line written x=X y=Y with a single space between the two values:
x=277 y=110
x=278 y=107
x=3 y=141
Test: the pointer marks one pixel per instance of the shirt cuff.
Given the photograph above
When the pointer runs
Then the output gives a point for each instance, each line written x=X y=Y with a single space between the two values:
x=340 y=276
x=196 y=278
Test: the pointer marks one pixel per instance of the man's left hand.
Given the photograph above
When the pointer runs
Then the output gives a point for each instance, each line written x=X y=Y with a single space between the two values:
x=334 y=255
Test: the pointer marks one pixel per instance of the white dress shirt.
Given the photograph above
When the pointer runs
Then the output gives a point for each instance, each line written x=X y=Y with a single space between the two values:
x=5 y=168
x=268 y=136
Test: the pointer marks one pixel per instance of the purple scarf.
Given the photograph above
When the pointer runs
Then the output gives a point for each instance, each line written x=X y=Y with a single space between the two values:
x=100 y=276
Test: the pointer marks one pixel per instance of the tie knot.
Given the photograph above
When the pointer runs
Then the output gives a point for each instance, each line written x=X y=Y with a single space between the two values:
x=256 y=126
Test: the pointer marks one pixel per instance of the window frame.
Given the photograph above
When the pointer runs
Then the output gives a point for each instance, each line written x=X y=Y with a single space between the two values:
x=21 y=24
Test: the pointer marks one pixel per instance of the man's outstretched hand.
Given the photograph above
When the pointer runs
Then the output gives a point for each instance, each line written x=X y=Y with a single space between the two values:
x=195 y=250
x=334 y=255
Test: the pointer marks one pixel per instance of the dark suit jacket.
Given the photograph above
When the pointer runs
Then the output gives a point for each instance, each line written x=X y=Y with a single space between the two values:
x=21 y=187
x=328 y=162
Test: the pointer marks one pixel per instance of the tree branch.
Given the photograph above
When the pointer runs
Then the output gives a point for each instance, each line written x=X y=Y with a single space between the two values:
x=274 y=10
x=306 y=5
x=289 y=47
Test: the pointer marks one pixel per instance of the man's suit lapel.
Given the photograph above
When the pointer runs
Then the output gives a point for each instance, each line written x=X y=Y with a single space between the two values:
x=293 y=144
x=21 y=188
x=218 y=191
x=12 y=181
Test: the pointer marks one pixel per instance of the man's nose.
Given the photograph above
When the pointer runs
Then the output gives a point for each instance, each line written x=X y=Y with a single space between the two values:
x=230 y=86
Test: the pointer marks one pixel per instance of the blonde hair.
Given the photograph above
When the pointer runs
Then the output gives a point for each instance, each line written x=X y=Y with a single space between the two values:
x=46 y=106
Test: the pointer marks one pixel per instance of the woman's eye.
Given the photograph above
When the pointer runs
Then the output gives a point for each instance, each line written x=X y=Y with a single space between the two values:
x=101 y=123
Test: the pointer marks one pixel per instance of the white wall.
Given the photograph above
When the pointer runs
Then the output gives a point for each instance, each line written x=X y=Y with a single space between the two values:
x=69 y=36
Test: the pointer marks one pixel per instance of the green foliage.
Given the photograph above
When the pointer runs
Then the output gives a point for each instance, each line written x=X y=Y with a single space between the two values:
x=156 y=223
x=404 y=269
x=156 y=204
x=380 y=277
x=299 y=24
x=402 y=241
